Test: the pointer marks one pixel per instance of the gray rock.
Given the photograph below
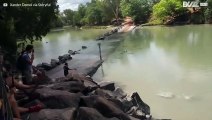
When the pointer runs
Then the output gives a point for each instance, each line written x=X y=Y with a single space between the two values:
x=57 y=99
x=119 y=93
x=137 y=101
x=105 y=107
x=54 y=62
x=47 y=66
x=107 y=85
x=67 y=56
x=88 y=82
x=64 y=57
x=123 y=104
x=61 y=59
x=70 y=86
x=104 y=93
x=54 y=114
x=70 y=52
x=41 y=78
x=85 y=113
x=132 y=118
x=84 y=47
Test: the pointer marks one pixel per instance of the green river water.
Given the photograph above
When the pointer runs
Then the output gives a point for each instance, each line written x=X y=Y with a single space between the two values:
x=170 y=67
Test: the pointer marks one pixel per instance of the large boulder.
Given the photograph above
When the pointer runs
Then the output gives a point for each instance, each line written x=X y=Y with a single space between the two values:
x=74 y=75
x=140 y=109
x=85 y=113
x=137 y=101
x=57 y=99
x=54 y=114
x=123 y=104
x=104 y=106
x=104 y=93
x=41 y=78
x=70 y=86
x=118 y=93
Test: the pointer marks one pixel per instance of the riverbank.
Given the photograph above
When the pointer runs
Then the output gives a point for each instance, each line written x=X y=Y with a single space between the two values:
x=78 y=97
x=176 y=24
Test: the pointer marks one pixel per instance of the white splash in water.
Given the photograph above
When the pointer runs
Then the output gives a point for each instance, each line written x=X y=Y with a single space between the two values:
x=166 y=94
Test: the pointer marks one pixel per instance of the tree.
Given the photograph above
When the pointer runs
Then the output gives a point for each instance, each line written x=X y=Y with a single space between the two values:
x=69 y=16
x=208 y=12
x=93 y=14
x=113 y=6
x=58 y=22
x=139 y=10
x=25 y=22
x=166 y=9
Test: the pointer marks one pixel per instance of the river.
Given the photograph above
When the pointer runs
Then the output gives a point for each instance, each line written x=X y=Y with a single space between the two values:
x=170 y=67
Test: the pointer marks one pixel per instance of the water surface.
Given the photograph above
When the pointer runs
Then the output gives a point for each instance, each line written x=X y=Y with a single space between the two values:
x=151 y=60
x=166 y=60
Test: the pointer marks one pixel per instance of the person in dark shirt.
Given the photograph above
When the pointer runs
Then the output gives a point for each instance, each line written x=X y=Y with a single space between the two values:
x=28 y=58
x=66 y=69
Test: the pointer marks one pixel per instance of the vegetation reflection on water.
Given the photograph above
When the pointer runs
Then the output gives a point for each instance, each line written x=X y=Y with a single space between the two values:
x=151 y=60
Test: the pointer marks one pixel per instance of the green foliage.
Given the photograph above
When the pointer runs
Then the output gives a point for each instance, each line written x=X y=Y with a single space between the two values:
x=58 y=22
x=69 y=16
x=208 y=12
x=93 y=14
x=167 y=8
x=97 y=12
x=25 y=22
x=139 y=10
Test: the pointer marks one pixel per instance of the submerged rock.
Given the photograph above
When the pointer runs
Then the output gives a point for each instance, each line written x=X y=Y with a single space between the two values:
x=84 y=47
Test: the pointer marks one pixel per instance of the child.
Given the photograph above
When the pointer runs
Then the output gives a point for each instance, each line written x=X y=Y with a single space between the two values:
x=66 y=68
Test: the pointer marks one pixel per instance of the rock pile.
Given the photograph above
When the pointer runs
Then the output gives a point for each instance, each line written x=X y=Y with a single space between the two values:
x=78 y=97
x=61 y=59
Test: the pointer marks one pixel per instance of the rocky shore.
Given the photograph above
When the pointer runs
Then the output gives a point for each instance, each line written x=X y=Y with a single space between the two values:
x=79 y=97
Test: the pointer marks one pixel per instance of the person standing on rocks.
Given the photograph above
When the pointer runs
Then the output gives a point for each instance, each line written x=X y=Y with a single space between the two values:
x=27 y=59
x=66 y=69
